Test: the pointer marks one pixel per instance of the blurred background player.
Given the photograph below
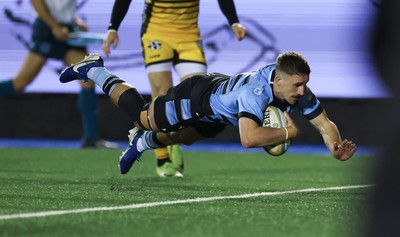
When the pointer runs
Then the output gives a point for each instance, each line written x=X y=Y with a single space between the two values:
x=170 y=38
x=55 y=20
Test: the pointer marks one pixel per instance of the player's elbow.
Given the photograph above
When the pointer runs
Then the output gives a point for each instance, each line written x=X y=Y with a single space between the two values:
x=248 y=142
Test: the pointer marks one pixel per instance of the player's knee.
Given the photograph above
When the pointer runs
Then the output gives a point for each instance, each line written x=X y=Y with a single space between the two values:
x=187 y=139
x=131 y=102
x=180 y=137
x=187 y=143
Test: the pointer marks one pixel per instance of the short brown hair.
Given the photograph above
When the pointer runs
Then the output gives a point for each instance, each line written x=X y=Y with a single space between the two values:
x=292 y=63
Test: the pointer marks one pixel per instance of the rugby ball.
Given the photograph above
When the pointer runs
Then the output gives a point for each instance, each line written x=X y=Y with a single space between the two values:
x=275 y=118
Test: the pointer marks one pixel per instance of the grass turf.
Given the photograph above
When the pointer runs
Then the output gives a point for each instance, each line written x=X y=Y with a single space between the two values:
x=36 y=180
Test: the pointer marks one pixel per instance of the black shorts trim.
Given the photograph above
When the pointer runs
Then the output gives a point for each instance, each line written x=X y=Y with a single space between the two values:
x=251 y=116
x=188 y=61
x=158 y=62
x=315 y=113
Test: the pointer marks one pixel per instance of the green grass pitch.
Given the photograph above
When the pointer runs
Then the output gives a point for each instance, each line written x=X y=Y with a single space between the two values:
x=43 y=180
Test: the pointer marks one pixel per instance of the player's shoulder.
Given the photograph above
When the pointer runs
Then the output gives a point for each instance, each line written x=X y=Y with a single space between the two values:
x=267 y=73
x=268 y=68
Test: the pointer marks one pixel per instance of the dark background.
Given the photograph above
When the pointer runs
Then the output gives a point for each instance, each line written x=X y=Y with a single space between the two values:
x=56 y=116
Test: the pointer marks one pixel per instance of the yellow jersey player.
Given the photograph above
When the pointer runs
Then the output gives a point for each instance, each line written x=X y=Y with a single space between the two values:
x=170 y=39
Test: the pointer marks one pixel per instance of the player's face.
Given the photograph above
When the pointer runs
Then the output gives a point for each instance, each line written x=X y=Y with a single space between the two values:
x=291 y=87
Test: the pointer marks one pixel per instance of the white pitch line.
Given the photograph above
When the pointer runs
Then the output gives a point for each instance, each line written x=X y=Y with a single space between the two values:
x=164 y=203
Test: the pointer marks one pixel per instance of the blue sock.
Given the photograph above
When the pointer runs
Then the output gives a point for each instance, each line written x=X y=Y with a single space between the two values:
x=87 y=103
x=6 y=88
x=100 y=76
x=148 y=141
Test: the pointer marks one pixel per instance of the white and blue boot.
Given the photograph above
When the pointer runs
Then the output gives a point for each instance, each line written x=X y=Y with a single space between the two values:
x=79 y=70
x=131 y=153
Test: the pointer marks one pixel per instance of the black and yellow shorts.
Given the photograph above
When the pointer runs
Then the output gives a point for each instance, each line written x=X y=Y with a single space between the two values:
x=168 y=49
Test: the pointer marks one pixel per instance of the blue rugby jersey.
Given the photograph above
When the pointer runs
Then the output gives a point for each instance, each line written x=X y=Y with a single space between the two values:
x=218 y=98
x=248 y=94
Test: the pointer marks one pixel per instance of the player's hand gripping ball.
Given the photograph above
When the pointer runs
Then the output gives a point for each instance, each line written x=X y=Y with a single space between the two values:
x=275 y=118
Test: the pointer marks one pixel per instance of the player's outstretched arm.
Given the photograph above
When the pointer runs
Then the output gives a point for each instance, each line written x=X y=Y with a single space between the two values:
x=60 y=32
x=110 y=40
x=341 y=150
x=239 y=30
x=81 y=24
x=344 y=150
x=254 y=135
x=118 y=13
x=229 y=10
